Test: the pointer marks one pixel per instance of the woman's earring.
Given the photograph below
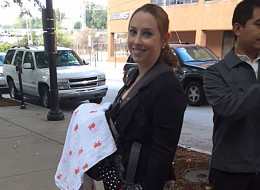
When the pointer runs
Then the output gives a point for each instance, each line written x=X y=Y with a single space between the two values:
x=163 y=47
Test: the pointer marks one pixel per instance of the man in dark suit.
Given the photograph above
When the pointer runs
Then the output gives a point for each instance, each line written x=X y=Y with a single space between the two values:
x=232 y=89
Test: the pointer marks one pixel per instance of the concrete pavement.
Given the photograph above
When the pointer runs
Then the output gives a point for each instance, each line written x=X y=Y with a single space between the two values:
x=31 y=148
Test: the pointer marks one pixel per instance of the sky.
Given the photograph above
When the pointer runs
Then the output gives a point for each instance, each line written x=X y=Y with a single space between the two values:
x=71 y=9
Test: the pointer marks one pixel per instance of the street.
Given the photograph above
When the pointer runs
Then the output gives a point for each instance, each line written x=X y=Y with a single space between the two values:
x=197 y=126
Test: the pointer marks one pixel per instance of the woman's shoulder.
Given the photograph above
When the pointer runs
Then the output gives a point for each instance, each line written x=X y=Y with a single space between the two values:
x=166 y=80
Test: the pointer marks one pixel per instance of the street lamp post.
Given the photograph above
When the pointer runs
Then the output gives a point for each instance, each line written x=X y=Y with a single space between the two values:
x=50 y=47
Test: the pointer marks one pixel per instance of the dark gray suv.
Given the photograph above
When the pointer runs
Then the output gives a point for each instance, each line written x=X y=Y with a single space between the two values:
x=192 y=61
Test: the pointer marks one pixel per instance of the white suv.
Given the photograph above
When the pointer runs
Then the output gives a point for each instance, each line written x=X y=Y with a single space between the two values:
x=74 y=77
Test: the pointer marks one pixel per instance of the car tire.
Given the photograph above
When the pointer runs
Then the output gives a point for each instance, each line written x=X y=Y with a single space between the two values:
x=45 y=97
x=13 y=90
x=96 y=100
x=195 y=94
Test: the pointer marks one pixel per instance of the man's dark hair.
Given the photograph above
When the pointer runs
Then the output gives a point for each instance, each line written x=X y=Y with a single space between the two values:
x=244 y=11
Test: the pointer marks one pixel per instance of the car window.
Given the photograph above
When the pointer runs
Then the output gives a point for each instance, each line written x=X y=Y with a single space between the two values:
x=41 y=60
x=66 y=58
x=28 y=58
x=19 y=55
x=63 y=58
x=195 y=54
x=2 y=58
x=9 y=56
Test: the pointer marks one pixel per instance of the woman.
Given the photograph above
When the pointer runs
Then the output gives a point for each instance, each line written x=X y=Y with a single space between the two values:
x=151 y=108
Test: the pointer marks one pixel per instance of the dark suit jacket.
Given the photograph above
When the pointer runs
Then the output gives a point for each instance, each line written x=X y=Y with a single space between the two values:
x=153 y=117
x=232 y=90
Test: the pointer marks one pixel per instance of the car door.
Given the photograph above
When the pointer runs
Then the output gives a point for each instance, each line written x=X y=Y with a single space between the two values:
x=18 y=55
x=28 y=75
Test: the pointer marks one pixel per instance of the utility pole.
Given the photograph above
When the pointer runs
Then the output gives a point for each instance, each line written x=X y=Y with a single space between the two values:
x=50 y=46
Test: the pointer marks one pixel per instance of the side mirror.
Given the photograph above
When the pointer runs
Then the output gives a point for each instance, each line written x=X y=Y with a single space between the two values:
x=86 y=62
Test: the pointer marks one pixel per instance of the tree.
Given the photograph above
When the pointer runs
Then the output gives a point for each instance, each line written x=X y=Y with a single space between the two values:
x=24 y=10
x=77 y=25
x=59 y=16
x=99 y=18
x=95 y=16
x=63 y=39
x=36 y=40
x=5 y=46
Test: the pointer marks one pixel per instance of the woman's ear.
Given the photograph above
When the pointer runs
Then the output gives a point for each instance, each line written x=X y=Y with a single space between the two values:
x=237 y=29
x=165 y=39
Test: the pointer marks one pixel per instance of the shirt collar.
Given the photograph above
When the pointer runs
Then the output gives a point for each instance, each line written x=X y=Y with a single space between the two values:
x=245 y=58
x=233 y=59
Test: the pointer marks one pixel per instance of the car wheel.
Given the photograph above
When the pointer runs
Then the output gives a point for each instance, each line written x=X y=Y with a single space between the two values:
x=12 y=90
x=96 y=100
x=45 y=96
x=195 y=94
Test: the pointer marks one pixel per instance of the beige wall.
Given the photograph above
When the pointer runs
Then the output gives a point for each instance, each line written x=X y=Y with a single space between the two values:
x=201 y=23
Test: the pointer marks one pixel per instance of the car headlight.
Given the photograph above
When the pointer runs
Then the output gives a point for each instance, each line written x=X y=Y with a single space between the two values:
x=101 y=77
x=1 y=75
x=101 y=83
x=63 y=84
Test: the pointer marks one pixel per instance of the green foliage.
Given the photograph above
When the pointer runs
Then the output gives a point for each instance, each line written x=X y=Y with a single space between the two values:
x=99 y=18
x=5 y=46
x=35 y=23
x=59 y=16
x=63 y=39
x=95 y=18
x=77 y=25
x=36 y=40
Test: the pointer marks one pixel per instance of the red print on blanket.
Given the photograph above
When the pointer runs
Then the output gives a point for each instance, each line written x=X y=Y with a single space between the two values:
x=80 y=151
x=70 y=153
x=77 y=170
x=76 y=112
x=59 y=176
x=85 y=166
x=76 y=128
x=91 y=126
x=93 y=111
x=97 y=144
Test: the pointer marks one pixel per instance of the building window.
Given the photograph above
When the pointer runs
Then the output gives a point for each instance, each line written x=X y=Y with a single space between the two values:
x=173 y=2
x=228 y=42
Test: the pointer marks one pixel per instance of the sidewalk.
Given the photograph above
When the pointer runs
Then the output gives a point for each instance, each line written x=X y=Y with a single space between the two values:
x=31 y=148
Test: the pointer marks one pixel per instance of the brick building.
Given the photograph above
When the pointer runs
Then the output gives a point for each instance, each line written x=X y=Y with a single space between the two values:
x=204 y=22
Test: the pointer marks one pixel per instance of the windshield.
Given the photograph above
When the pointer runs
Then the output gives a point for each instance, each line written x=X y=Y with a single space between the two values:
x=195 y=54
x=63 y=58
x=2 y=58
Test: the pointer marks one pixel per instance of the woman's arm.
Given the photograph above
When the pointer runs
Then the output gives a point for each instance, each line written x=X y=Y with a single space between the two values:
x=168 y=103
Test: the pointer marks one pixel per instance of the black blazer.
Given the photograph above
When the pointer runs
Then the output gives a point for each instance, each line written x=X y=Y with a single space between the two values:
x=153 y=117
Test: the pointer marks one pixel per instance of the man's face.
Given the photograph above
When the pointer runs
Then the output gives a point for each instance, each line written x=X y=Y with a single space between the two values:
x=248 y=37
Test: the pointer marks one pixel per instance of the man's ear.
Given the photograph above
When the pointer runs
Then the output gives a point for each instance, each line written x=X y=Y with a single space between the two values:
x=237 y=29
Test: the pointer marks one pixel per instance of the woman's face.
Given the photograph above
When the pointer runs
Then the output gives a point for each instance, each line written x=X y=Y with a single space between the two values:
x=144 y=39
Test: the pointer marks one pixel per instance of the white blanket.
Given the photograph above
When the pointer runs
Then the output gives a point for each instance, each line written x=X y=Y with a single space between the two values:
x=88 y=141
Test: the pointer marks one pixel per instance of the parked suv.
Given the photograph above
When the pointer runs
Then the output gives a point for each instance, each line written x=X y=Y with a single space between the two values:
x=192 y=60
x=74 y=77
x=2 y=81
